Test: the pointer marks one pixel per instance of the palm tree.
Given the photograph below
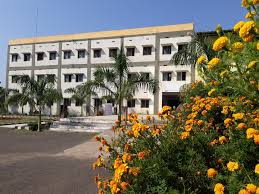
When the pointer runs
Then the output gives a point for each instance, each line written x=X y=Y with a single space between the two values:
x=2 y=100
x=199 y=45
x=80 y=94
x=37 y=93
x=114 y=83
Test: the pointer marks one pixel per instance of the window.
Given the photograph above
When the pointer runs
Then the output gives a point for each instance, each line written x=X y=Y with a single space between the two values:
x=144 y=76
x=26 y=57
x=131 y=103
x=14 y=57
x=132 y=76
x=51 y=77
x=144 y=103
x=79 y=77
x=182 y=47
x=113 y=52
x=40 y=77
x=147 y=50
x=40 y=56
x=52 y=55
x=14 y=78
x=130 y=51
x=97 y=53
x=167 y=76
x=97 y=102
x=67 y=54
x=68 y=77
x=167 y=50
x=67 y=101
x=78 y=103
x=81 y=54
x=112 y=101
x=181 y=76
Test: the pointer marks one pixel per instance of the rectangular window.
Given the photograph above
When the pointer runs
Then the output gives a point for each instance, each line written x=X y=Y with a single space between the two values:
x=131 y=103
x=130 y=51
x=79 y=77
x=97 y=53
x=78 y=103
x=68 y=77
x=97 y=102
x=52 y=55
x=132 y=76
x=144 y=76
x=67 y=101
x=144 y=103
x=147 y=50
x=113 y=52
x=40 y=77
x=14 y=78
x=167 y=76
x=52 y=77
x=182 y=47
x=26 y=56
x=67 y=54
x=167 y=50
x=14 y=57
x=81 y=54
x=40 y=56
x=181 y=76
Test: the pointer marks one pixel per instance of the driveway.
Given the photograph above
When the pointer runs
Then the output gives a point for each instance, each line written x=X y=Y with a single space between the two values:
x=46 y=162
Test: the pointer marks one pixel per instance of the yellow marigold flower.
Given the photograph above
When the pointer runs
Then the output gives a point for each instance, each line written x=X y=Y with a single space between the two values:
x=257 y=190
x=255 y=2
x=238 y=26
x=200 y=122
x=201 y=60
x=243 y=191
x=156 y=131
x=208 y=107
x=212 y=91
x=237 y=46
x=220 y=43
x=251 y=132
x=134 y=171
x=122 y=169
x=257 y=46
x=188 y=128
x=212 y=173
x=184 y=135
x=238 y=116
x=223 y=73
x=251 y=188
x=222 y=139
x=204 y=112
x=225 y=110
x=117 y=163
x=257 y=168
x=114 y=187
x=256 y=121
x=219 y=188
x=251 y=65
x=232 y=166
x=241 y=126
x=256 y=139
x=124 y=186
x=213 y=62
x=250 y=15
x=246 y=29
x=245 y=3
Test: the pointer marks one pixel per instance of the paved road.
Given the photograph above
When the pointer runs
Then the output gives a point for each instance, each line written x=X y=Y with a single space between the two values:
x=46 y=163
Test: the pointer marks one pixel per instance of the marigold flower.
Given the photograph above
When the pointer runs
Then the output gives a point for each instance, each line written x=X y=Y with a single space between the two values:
x=251 y=188
x=256 y=121
x=214 y=142
x=220 y=43
x=250 y=15
x=97 y=138
x=256 y=139
x=238 y=116
x=200 y=122
x=251 y=65
x=127 y=157
x=117 y=163
x=238 y=26
x=212 y=91
x=104 y=142
x=257 y=190
x=245 y=3
x=257 y=46
x=213 y=62
x=257 y=168
x=208 y=107
x=201 y=59
x=124 y=186
x=237 y=46
x=188 y=128
x=141 y=155
x=99 y=184
x=219 y=188
x=204 y=112
x=249 y=38
x=134 y=171
x=243 y=191
x=222 y=139
x=223 y=73
x=246 y=29
x=156 y=132
x=212 y=173
x=251 y=132
x=114 y=187
x=232 y=166
x=255 y=2
x=241 y=126
x=122 y=169
x=184 y=135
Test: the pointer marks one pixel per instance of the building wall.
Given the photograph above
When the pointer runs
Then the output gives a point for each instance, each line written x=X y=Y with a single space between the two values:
x=46 y=48
x=20 y=50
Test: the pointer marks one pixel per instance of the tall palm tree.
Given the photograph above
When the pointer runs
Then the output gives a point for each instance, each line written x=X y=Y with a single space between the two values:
x=80 y=94
x=114 y=83
x=199 y=45
x=2 y=100
x=37 y=93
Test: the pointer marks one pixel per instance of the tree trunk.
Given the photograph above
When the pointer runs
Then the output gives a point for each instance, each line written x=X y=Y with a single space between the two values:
x=22 y=109
x=82 y=109
x=39 y=121
x=50 y=111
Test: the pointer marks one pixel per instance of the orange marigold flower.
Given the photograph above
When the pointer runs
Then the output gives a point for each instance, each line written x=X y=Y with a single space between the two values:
x=204 y=112
x=97 y=138
x=241 y=126
x=256 y=139
x=243 y=191
x=222 y=139
x=141 y=155
x=124 y=186
x=99 y=184
x=245 y=3
x=188 y=128
x=117 y=163
x=127 y=157
x=215 y=141
x=256 y=121
x=257 y=168
x=238 y=116
x=200 y=122
x=104 y=142
x=232 y=166
x=212 y=173
x=134 y=171
x=114 y=187
x=227 y=122
x=251 y=132
x=219 y=188
x=251 y=188
x=184 y=135
x=208 y=107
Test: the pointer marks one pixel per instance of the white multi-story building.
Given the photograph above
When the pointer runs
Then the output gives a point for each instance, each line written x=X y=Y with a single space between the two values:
x=72 y=59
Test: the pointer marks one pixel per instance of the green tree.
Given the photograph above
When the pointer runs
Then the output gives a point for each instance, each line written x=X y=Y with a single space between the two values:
x=3 y=108
x=114 y=82
x=37 y=94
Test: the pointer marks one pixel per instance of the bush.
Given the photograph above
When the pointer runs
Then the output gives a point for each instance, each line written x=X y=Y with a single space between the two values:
x=210 y=144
